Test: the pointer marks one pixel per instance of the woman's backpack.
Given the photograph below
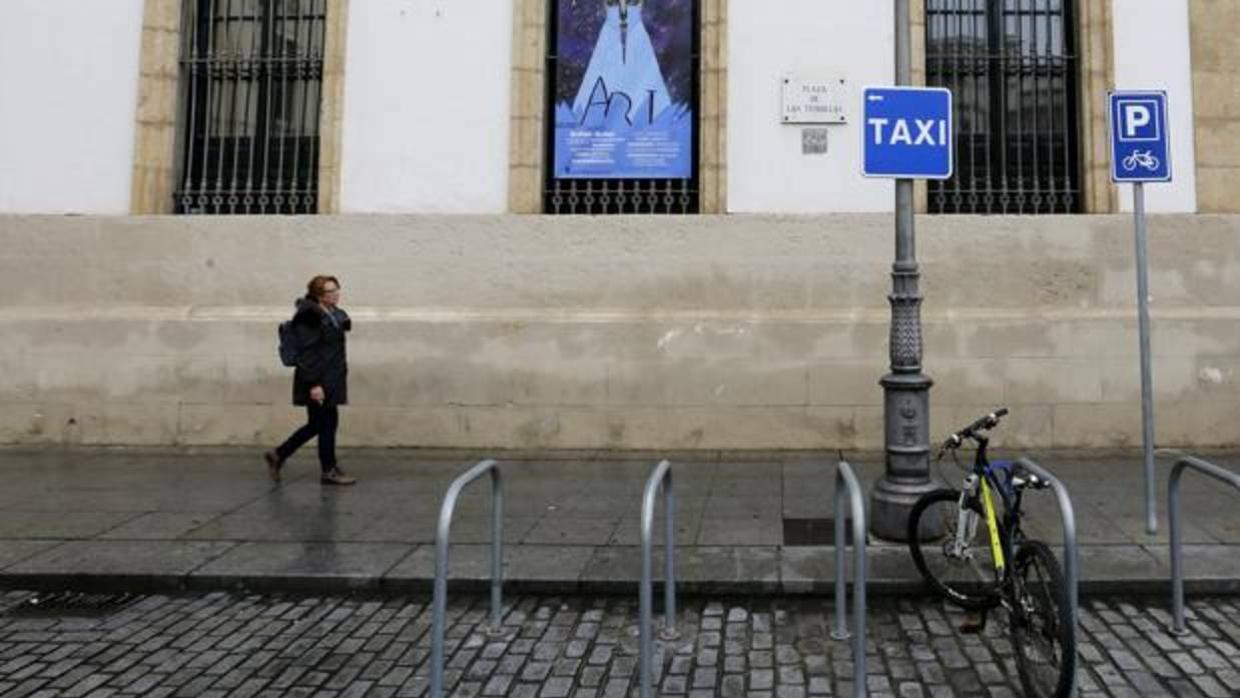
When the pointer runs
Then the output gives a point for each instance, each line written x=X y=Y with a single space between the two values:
x=290 y=347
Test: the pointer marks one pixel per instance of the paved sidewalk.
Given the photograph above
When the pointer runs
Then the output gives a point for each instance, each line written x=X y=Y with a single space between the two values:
x=210 y=519
x=223 y=644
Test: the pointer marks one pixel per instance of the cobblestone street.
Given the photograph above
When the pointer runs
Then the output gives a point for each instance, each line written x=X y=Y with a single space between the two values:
x=240 y=645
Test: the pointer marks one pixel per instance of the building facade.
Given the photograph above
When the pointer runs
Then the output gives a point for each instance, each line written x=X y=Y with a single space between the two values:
x=496 y=206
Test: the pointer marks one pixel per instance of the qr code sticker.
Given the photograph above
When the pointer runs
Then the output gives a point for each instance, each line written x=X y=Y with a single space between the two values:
x=814 y=141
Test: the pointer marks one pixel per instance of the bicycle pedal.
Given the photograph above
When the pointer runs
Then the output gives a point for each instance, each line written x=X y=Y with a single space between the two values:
x=974 y=623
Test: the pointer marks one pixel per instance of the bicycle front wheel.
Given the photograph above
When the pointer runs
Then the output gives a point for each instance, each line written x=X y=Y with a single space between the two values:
x=1043 y=635
x=959 y=567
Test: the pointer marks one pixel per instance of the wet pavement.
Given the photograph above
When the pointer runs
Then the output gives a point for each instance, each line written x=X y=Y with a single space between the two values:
x=162 y=519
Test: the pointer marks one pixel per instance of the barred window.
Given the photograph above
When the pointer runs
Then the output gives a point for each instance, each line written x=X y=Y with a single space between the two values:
x=622 y=105
x=248 y=131
x=1012 y=68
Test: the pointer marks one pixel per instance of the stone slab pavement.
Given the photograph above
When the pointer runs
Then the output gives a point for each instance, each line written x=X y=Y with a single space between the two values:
x=207 y=519
x=230 y=644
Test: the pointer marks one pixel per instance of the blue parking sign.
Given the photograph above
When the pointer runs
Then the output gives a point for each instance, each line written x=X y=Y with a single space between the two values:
x=907 y=132
x=1140 y=148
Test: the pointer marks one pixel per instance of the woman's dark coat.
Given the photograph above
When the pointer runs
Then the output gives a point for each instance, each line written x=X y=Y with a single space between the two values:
x=321 y=360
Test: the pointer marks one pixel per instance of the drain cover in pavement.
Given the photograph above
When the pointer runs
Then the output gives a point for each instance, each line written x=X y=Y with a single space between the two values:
x=72 y=603
x=813 y=531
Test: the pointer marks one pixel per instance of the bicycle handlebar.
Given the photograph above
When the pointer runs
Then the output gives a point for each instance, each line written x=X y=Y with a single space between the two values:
x=983 y=423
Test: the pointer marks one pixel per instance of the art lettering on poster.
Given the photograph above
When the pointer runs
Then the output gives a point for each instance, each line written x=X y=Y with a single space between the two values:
x=624 y=78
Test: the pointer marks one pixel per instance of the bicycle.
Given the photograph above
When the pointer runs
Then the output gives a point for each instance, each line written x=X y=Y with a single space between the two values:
x=1001 y=568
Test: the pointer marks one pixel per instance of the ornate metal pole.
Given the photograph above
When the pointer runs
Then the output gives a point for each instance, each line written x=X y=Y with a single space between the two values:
x=906 y=390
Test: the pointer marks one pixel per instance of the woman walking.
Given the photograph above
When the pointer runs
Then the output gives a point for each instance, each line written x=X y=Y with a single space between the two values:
x=320 y=382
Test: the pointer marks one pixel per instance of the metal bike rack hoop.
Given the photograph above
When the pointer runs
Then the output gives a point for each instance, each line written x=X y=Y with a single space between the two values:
x=660 y=478
x=1067 y=515
x=1185 y=462
x=442 y=542
x=846 y=484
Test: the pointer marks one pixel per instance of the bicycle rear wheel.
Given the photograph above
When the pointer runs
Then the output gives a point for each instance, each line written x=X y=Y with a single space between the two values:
x=1043 y=634
x=966 y=577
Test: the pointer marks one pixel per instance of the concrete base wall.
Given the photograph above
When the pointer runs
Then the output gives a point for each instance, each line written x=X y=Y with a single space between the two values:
x=664 y=333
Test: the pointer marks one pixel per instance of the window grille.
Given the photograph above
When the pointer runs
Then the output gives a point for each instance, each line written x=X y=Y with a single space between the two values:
x=630 y=195
x=1012 y=68
x=251 y=76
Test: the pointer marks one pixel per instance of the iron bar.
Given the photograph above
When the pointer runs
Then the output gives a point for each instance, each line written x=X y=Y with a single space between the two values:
x=281 y=122
x=265 y=129
x=996 y=173
x=971 y=70
x=234 y=72
x=1049 y=80
x=213 y=110
x=221 y=68
x=1036 y=198
x=1019 y=109
x=303 y=75
x=317 y=59
x=256 y=43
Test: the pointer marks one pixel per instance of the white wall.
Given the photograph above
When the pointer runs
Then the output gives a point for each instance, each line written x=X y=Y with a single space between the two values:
x=766 y=170
x=1152 y=52
x=68 y=98
x=427 y=92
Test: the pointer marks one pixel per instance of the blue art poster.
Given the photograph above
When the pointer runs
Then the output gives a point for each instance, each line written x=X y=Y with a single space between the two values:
x=623 y=89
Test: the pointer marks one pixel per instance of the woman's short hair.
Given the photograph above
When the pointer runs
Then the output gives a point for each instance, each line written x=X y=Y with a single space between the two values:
x=314 y=289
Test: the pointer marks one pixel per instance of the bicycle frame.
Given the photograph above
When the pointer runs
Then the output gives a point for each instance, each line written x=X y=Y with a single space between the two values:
x=980 y=485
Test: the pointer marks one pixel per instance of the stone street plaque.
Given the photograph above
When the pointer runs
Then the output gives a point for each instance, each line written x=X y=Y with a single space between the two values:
x=814 y=100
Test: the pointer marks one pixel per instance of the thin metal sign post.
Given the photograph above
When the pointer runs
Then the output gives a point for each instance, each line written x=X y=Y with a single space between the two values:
x=1140 y=153
x=1147 y=380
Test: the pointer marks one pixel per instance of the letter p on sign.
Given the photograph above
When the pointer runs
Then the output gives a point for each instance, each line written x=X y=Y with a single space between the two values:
x=1139 y=120
x=1136 y=116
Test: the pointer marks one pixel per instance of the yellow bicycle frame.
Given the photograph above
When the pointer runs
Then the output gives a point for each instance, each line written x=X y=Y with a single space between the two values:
x=992 y=526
